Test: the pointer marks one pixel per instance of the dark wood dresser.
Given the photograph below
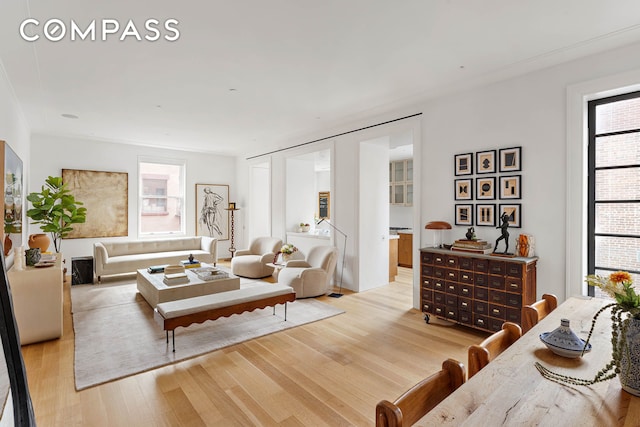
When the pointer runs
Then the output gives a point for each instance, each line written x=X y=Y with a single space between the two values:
x=481 y=291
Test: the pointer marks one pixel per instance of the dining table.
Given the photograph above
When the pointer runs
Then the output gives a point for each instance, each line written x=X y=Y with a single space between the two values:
x=510 y=390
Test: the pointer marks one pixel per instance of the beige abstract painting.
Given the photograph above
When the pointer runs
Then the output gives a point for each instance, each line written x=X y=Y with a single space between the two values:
x=105 y=195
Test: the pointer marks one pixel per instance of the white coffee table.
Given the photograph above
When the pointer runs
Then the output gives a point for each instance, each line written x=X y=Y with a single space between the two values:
x=154 y=290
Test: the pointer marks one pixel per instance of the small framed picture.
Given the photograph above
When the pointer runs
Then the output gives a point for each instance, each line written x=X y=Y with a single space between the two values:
x=486 y=188
x=513 y=214
x=486 y=215
x=486 y=161
x=464 y=189
x=464 y=164
x=510 y=187
x=464 y=215
x=510 y=159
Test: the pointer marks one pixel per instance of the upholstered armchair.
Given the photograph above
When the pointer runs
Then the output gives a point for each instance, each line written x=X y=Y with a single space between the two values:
x=252 y=262
x=310 y=277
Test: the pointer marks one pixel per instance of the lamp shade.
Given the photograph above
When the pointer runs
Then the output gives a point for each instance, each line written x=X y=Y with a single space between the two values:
x=438 y=225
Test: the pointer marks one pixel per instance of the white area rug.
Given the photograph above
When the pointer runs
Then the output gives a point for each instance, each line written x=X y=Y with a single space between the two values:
x=116 y=336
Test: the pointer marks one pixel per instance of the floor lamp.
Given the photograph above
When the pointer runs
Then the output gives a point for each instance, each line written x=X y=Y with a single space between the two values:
x=344 y=253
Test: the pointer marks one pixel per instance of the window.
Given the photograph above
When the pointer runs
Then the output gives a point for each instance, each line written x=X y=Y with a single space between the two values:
x=161 y=197
x=614 y=186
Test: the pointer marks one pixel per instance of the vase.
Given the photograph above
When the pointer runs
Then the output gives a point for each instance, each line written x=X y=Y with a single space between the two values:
x=630 y=359
x=32 y=256
x=39 y=240
x=7 y=244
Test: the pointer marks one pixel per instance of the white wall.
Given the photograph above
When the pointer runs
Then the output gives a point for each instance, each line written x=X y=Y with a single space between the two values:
x=400 y=216
x=51 y=154
x=528 y=111
x=14 y=130
x=300 y=191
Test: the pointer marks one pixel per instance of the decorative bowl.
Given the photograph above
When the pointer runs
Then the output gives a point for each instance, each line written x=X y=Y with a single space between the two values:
x=563 y=342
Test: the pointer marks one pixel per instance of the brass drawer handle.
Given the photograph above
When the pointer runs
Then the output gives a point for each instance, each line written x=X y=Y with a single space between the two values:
x=514 y=285
x=451 y=313
x=465 y=291
x=464 y=304
x=496 y=311
x=480 y=322
x=452 y=288
x=464 y=276
x=452 y=275
x=451 y=261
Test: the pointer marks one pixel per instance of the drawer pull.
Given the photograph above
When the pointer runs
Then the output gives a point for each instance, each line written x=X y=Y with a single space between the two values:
x=514 y=285
x=438 y=259
x=464 y=304
x=480 y=322
x=465 y=277
x=451 y=261
x=452 y=275
x=452 y=288
x=465 y=291
x=451 y=313
x=496 y=311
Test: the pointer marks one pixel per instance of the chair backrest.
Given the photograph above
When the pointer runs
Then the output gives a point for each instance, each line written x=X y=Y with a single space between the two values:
x=422 y=397
x=532 y=314
x=480 y=355
x=324 y=257
x=265 y=245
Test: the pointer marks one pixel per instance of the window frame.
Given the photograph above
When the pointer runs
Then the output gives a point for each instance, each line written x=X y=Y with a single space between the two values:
x=591 y=182
x=183 y=197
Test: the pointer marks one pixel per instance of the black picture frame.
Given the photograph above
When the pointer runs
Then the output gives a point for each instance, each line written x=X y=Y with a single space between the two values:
x=485 y=215
x=463 y=164
x=510 y=187
x=464 y=214
x=486 y=162
x=510 y=159
x=463 y=189
x=486 y=188
x=514 y=211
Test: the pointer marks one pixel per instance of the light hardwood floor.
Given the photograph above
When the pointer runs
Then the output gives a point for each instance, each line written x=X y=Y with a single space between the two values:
x=331 y=372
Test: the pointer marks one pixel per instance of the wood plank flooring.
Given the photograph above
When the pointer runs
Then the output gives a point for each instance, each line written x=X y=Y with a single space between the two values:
x=328 y=373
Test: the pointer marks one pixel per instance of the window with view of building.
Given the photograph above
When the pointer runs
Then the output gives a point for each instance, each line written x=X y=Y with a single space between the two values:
x=161 y=197
x=614 y=186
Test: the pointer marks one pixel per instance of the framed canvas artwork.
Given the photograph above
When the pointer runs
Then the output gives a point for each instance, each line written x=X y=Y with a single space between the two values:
x=510 y=187
x=486 y=215
x=464 y=189
x=486 y=161
x=510 y=159
x=464 y=164
x=106 y=197
x=464 y=215
x=486 y=188
x=211 y=217
x=513 y=212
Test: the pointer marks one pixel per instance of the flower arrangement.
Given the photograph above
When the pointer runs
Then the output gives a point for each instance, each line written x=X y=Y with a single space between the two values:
x=619 y=286
x=288 y=249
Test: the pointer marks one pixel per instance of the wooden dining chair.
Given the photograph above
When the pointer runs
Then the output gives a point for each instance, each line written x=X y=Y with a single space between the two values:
x=532 y=314
x=480 y=355
x=422 y=397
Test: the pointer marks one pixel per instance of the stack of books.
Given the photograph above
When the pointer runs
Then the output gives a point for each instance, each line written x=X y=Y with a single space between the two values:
x=210 y=273
x=473 y=246
x=175 y=279
x=190 y=264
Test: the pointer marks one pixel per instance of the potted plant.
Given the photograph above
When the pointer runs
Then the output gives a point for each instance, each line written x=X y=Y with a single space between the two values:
x=55 y=209
x=625 y=335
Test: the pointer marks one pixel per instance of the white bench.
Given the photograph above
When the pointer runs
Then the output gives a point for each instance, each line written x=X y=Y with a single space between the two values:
x=185 y=312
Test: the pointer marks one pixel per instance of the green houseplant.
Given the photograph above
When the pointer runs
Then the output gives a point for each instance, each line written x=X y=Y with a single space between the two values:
x=55 y=209
x=625 y=335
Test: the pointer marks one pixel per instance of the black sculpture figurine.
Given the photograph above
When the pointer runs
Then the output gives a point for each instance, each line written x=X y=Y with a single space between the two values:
x=470 y=233
x=505 y=234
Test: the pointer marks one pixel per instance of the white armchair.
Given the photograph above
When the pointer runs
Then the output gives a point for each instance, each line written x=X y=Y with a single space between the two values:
x=252 y=262
x=311 y=277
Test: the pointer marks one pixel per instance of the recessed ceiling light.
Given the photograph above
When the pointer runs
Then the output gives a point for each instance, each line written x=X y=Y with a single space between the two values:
x=233 y=90
x=69 y=116
x=462 y=67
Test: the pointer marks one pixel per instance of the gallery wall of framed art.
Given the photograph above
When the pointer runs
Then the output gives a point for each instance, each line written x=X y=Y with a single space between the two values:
x=493 y=179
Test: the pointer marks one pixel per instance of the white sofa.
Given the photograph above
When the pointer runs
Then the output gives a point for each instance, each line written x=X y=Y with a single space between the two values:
x=129 y=256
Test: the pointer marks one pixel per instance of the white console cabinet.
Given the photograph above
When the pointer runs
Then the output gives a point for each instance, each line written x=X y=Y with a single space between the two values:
x=37 y=301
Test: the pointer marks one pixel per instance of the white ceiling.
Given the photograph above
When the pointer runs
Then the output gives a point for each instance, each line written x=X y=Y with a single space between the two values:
x=247 y=75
